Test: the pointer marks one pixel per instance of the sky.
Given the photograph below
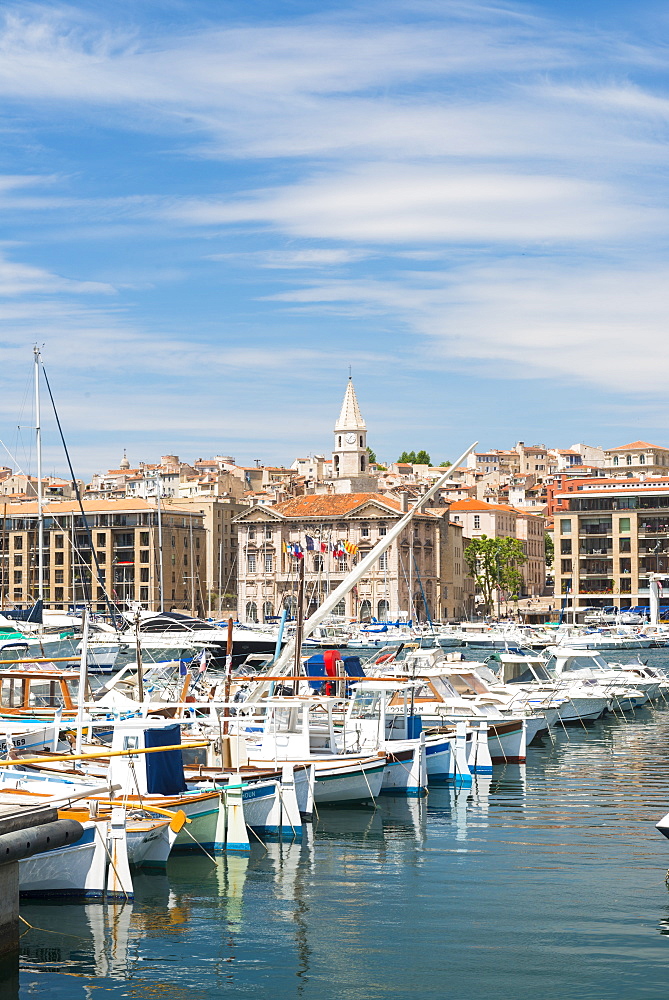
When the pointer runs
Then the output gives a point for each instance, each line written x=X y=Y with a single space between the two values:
x=211 y=209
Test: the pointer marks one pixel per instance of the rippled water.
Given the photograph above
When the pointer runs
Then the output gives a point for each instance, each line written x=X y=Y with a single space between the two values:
x=546 y=881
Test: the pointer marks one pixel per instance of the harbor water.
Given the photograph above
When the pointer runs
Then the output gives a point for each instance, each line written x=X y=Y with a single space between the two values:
x=545 y=881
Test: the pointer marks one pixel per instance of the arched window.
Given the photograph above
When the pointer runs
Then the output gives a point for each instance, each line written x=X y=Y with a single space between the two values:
x=629 y=459
x=642 y=459
x=615 y=459
x=362 y=463
x=290 y=604
x=365 y=610
x=361 y=440
x=267 y=610
x=340 y=609
x=251 y=612
x=383 y=611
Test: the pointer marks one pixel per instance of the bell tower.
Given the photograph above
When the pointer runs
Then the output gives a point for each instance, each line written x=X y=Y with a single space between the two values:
x=350 y=457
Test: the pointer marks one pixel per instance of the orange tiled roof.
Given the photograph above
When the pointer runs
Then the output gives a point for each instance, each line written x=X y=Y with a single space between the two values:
x=335 y=504
x=635 y=445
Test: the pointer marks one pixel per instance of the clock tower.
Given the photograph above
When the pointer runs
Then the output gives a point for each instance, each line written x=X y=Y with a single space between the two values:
x=350 y=457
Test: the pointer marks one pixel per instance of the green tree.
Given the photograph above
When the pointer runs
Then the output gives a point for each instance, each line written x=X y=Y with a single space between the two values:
x=445 y=465
x=549 y=549
x=372 y=456
x=423 y=458
x=408 y=457
x=495 y=563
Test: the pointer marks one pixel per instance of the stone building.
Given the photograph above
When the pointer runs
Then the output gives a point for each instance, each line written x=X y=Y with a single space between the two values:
x=268 y=572
x=124 y=535
x=636 y=459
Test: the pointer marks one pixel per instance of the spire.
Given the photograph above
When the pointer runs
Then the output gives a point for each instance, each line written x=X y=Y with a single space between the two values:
x=350 y=418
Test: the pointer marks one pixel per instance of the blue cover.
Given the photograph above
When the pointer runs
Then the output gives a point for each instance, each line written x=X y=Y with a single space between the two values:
x=33 y=614
x=164 y=771
x=315 y=667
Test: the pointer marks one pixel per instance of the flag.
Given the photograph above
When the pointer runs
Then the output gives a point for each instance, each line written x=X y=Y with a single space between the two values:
x=183 y=668
x=324 y=547
x=203 y=661
x=310 y=543
x=350 y=548
x=284 y=547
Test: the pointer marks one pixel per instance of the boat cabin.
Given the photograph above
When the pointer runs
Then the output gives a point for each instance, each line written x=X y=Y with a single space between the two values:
x=36 y=692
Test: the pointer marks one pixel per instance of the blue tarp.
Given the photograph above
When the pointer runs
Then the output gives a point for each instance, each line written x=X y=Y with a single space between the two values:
x=164 y=771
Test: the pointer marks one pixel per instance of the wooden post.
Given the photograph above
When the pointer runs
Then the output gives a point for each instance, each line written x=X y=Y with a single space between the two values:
x=228 y=671
x=299 y=624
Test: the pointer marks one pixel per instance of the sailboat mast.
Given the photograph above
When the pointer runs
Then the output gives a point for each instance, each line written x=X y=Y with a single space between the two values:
x=40 y=511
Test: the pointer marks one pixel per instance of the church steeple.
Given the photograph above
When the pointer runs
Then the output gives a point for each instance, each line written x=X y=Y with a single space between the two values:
x=350 y=456
x=350 y=418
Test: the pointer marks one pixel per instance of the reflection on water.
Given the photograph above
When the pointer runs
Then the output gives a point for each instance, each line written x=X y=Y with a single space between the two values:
x=544 y=880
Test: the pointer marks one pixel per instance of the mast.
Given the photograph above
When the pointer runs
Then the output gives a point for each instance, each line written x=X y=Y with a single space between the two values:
x=161 y=580
x=40 y=511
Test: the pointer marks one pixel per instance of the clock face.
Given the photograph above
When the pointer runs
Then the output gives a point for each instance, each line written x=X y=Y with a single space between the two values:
x=350 y=438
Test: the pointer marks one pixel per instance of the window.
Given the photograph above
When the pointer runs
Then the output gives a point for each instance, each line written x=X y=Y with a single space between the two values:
x=383 y=560
x=477 y=522
x=18 y=576
x=267 y=610
x=268 y=535
x=629 y=459
x=59 y=593
x=252 y=612
x=342 y=566
x=251 y=563
x=58 y=577
x=565 y=566
x=364 y=531
x=197 y=541
x=58 y=558
x=382 y=529
x=18 y=542
x=318 y=563
x=144 y=575
x=102 y=557
x=642 y=459
x=565 y=546
x=252 y=533
x=143 y=538
x=18 y=560
x=625 y=545
x=144 y=555
x=102 y=540
x=340 y=609
x=383 y=611
x=615 y=460
x=174 y=541
x=625 y=565
x=624 y=524
x=268 y=562
x=565 y=526
x=143 y=593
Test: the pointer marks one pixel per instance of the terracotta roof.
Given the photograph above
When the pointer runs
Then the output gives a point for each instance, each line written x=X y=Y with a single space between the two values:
x=635 y=445
x=480 y=505
x=335 y=504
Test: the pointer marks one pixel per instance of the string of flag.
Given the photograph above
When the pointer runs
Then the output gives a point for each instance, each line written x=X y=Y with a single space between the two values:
x=338 y=550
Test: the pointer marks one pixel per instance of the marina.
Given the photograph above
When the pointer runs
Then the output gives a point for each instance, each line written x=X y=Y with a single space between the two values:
x=544 y=879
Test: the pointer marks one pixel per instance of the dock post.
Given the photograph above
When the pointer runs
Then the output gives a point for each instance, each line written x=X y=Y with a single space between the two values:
x=237 y=834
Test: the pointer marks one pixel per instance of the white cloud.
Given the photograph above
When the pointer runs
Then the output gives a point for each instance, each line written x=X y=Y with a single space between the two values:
x=600 y=324
x=397 y=203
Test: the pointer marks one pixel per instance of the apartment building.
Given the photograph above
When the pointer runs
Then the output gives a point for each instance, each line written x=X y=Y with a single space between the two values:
x=609 y=537
x=331 y=533
x=218 y=514
x=123 y=534
x=503 y=521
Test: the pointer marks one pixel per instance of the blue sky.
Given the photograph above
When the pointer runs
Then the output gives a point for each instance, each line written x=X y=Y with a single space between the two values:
x=211 y=209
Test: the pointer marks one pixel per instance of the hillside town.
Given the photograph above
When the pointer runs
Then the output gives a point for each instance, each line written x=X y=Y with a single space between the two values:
x=211 y=537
